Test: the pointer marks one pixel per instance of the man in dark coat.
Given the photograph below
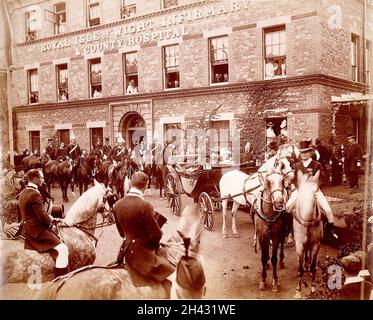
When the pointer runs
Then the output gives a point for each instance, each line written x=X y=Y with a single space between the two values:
x=49 y=150
x=61 y=152
x=74 y=152
x=37 y=222
x=136 y=222
x=354 y=157
x=106 y=148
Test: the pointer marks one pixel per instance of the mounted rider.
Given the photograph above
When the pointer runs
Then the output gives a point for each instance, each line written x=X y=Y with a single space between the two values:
x=309 y=169
x=50 y=150
x=117 y=155
x=106 y=148
x=97 y=149
x=37 y=222
x=288 y=150
x=61 y=152
x=73 y=153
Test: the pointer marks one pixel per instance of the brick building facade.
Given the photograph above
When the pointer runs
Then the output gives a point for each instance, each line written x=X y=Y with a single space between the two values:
x=75 y=59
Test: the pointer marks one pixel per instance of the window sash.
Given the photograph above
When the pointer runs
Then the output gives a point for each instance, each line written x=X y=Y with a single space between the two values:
x=219 y=50
x=130 y=63
x=275 y=43
x=95 y=73
x=94 y=11
x=31 y=21
x=62 y=78
x=33 y=79
x=171 y=56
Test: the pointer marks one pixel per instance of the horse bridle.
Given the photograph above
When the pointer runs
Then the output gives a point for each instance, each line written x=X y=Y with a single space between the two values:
x=273 y=191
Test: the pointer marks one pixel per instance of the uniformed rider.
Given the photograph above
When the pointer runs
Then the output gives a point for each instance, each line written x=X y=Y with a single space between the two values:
x=73 y=153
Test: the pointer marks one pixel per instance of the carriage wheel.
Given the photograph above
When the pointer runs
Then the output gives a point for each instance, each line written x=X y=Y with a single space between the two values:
x=173 y=195
x=207 y=211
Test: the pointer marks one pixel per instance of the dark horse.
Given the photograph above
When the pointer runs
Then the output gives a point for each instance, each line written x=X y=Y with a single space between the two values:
x=58 y=171
x=30 y=162
x=155 y=171
x=84 y=172
x=269 y=224
x=107 y=173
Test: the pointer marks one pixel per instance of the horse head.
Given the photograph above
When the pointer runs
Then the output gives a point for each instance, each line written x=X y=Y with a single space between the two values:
x=83 y=213
x=274 y=184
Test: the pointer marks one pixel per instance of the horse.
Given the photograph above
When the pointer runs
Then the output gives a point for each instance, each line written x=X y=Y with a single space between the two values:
x=76 y=230
x=84 y=172
x=120 y=178
x=30 y=162
x=58 y=171
x=269 y=223
x=105 y=282
x=50 y=170
x=156 y=171
x=308 y=232
x=244 y=189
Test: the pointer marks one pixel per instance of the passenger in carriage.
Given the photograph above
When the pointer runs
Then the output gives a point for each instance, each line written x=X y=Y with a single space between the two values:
x=37 y=222
x=309 y=169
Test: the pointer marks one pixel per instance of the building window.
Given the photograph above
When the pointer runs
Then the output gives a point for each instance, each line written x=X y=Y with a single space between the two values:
x=96 y=137
x=130 y=71
x=171 y=66
x=95 y=78
x=35 y=142
x=219 y=136
x=172 y=134
x=64 y=136
x=62 y=83
x=275 y=127
x=219 y=59
x=275 y=52
x=169 y=3
x=354 y=57
x=128 y=9
x=31 y=21
x=33 y=93
x=368 y=61
x=60 y=16
x=94 y=13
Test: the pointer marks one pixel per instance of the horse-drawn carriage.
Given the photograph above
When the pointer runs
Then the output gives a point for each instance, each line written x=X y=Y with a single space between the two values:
x=200 y=183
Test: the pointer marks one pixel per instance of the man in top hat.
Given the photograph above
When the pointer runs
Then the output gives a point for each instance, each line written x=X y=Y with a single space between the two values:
x=270 y=132
x=49 y=149
x=353 y=160
x=73 y=152
x=106 y=148
x=310 y=169
x=37 y=222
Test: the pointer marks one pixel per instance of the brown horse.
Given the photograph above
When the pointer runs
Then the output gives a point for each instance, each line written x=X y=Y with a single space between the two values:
x=268 y=223
x=58 y=171
x=308 y=232
x=155 y=171
x=84 y=172
x=50 y=170
x=30 y=162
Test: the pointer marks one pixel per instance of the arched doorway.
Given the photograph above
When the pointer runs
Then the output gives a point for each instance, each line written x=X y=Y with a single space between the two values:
x=133 y=128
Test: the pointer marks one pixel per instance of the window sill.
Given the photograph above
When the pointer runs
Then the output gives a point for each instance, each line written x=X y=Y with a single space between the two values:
x=33 y=103
x=219 y=83
x=276 y=77
x=171 y=89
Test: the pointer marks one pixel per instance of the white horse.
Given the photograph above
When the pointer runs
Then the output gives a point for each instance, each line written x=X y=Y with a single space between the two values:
x=246 y=187
x=76 y=230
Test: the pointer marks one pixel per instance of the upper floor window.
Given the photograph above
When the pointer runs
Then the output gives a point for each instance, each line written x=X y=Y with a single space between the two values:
x=60 y=16
x=354 y=57
x=94 y=13
x=130 y=71
x=275 y=52
x=62 y=83
x=95 y=78
x=31 y=22
x=128 y=9
x=219 y=59
x=169 y=3
x=33 y=91
x=368 y=61
x=171 y=66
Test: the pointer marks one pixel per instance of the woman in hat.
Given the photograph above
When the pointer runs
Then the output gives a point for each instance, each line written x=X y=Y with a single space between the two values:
x=308 y=169
x=270 y=132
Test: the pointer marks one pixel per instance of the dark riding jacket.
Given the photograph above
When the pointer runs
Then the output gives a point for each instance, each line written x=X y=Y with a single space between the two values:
x=36 y=222
x=73 y=151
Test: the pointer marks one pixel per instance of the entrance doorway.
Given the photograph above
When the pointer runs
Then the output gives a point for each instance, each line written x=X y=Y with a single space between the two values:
x=133 y=129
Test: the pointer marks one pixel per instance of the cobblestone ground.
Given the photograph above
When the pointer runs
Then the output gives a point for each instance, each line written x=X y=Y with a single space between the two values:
x=232 y=267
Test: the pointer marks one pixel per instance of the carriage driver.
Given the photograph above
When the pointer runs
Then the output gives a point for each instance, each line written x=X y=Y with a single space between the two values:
x=37 y=222
x=310 y=169
x=73 y=152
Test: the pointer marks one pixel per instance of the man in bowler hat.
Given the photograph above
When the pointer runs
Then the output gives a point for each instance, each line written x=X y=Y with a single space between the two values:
x=354 y=157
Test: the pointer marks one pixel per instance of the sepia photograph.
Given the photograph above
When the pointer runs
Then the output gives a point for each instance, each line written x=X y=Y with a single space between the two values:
x=186 y=150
